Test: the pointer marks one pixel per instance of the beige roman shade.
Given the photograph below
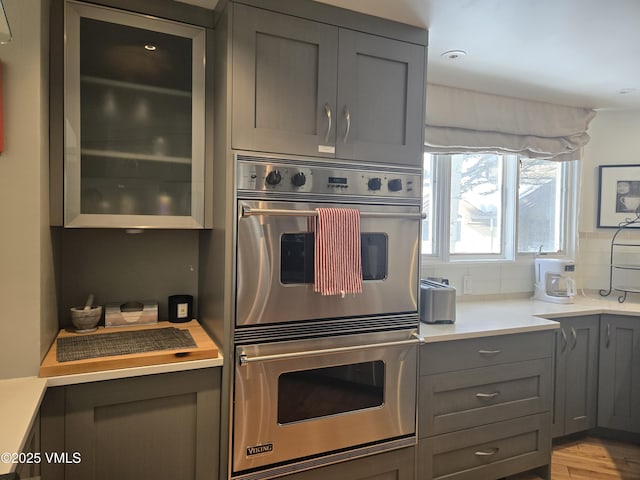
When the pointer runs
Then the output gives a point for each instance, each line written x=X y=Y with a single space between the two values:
x=463 y=121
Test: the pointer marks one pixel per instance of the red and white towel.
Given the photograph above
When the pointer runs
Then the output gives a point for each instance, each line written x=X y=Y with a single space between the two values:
x=338 y=266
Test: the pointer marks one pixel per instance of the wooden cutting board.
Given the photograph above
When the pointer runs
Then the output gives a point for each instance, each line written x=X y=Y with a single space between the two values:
x=205 y=348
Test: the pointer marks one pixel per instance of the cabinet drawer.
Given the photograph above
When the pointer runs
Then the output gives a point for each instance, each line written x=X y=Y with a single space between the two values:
x=468 y=398
x=454 y=355
x=488 y=452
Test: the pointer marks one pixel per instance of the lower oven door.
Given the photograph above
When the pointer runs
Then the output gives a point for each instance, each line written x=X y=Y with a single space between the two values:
x=303 y=399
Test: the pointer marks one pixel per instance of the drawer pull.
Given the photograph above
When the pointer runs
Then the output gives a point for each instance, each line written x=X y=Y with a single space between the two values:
x=488 y=352
x=487 y=395
x=487 y=453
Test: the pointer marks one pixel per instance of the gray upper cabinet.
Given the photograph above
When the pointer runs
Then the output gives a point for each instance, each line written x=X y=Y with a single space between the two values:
x=576 y=382
x=284 y=83
x=134 y=120
x=303 y=87
x=619 y=392
x=379 y=110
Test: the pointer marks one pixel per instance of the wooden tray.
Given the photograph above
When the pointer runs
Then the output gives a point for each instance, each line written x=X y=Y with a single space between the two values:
x=205 y=348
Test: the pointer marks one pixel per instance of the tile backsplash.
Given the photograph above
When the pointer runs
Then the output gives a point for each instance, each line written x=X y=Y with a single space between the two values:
x=484 y=278
x=517 y=278
x=595 y=256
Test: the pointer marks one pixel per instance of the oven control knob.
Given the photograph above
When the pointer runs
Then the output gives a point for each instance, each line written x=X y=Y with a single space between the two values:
x=298 y=179
x=374 y=183
x=273 y=177
x=395 y=185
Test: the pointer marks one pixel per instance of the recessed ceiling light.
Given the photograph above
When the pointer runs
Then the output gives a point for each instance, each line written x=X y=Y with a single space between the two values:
x=623 y=91
x=453 y=54
x=150 y=47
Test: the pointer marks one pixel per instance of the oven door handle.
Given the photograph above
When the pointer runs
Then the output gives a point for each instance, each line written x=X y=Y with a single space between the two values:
x=244 y=359
x=251 y=212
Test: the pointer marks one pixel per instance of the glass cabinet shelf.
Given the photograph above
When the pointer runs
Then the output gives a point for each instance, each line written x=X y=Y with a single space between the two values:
x=135 y=86
x=135 y=156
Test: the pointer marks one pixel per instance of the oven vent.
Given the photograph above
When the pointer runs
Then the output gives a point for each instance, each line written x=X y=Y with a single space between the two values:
x=322 y=328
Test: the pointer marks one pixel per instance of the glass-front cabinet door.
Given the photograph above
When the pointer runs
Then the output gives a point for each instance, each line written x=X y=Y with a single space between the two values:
x=134 y=120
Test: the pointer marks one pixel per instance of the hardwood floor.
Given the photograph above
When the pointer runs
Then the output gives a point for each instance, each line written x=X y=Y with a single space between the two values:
x=592 y=458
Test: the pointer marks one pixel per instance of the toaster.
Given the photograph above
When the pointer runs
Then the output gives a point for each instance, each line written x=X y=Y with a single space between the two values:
x=437 y=302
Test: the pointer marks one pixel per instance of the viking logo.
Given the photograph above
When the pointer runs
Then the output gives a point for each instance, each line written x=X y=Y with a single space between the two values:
x=267 y=447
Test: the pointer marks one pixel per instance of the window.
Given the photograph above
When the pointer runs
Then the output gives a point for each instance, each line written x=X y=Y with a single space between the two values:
x=540 y=206
x=494 y=207
x=477 y=196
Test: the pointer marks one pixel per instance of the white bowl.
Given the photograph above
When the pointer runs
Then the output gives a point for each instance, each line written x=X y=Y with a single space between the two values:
x=86 y=320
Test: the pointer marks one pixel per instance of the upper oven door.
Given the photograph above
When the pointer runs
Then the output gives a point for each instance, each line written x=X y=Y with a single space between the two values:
x=275 y=265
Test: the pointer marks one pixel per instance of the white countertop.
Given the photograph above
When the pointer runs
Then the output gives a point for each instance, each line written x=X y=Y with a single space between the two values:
x=19 y=403
x=133 y=371
x=501 y=317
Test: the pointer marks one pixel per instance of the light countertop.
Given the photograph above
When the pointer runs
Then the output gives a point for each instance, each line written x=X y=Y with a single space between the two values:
x=501 y=317
x=19 y=403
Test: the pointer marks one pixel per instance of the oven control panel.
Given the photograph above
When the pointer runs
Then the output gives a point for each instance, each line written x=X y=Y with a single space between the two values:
x=263 y=176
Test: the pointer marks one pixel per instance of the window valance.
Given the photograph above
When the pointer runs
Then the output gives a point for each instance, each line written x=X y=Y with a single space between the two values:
x=463 y=121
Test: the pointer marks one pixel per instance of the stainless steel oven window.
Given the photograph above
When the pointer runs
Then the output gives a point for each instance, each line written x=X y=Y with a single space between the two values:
x=321 y=392
x=297 y=257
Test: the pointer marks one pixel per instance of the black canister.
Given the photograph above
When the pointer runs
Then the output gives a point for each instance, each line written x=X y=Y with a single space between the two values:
x=180 y=308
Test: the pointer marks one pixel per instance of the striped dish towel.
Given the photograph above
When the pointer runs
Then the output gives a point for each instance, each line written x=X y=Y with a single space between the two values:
x=338 y=266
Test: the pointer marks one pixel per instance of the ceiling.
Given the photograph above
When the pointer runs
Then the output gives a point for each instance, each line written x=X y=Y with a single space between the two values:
x=570 y=52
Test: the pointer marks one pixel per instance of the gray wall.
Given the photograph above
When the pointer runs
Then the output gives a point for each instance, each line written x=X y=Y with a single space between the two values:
x=117 y=266
x=28 y=320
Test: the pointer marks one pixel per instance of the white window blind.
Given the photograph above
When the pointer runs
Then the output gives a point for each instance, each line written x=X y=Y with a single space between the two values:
x=465 y=121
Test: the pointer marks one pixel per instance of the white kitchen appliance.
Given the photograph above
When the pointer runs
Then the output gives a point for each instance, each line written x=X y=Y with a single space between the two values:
x=554 y=280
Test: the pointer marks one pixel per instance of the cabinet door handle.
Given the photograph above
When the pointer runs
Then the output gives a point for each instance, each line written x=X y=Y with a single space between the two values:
x=608 y=334
x=487 y=395
x=347 y=117
x=488 y=452
x=575 y=337
x=327 y=111
x=564 y=340
x=489 y=352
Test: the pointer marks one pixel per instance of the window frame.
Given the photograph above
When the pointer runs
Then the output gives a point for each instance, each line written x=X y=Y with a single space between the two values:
x=440 y=205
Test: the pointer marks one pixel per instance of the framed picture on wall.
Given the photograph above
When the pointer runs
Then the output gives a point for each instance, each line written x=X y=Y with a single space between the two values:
x=618 y=195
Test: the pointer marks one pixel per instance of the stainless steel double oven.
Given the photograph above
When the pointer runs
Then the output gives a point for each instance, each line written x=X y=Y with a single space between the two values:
x=319 y=379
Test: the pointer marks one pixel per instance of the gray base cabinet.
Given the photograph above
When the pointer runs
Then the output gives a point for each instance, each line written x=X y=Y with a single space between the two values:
x=394 y=465
x=489 y=452
x=619 y=390
x=304 y=87
x=576 y=375
x=485 y=406
x=162 y=426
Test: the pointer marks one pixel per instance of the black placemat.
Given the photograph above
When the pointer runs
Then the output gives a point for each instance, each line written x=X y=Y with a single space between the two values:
x=122 y=343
